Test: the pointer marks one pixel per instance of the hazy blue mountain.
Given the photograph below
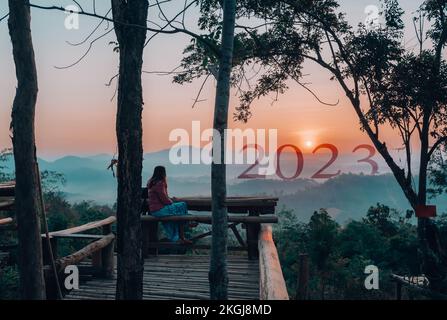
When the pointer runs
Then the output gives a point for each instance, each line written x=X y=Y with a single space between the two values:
x=346 y=196
x=349 y=196
x=270 y=187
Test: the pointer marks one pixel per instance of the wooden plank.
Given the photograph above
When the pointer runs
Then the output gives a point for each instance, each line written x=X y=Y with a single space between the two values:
x=7 y=189
x=207 y=218
x=230 y=201
x=76 y=236
x=266 y=205
x=179 y=277
x=173 y=246
x=204 y=288
x=6 y=203
x=5 y=221
x=272 y=284
x=84 y=227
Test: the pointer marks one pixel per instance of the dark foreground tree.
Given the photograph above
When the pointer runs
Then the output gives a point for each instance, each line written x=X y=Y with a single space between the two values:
x=218 y=274
x=27 y=207
x=130 y=147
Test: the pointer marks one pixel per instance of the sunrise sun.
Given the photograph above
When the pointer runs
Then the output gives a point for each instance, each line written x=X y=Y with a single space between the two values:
x=309 y=143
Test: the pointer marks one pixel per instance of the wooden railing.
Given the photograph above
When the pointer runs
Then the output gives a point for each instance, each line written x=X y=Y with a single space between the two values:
x=101 y=251
x=271 y=283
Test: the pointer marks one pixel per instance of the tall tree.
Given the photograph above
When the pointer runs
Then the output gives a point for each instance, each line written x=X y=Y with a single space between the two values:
x=385 y=83
x=32 y=285
x=127 y=14
x=218 y=274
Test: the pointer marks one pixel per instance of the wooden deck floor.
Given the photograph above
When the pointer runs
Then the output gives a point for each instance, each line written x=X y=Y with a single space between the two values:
x=179 y=277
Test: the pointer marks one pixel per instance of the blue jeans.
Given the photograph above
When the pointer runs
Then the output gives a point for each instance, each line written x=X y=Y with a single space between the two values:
x=172 y=227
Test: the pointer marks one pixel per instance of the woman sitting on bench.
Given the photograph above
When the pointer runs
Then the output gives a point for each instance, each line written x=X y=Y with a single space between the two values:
x=160 y=205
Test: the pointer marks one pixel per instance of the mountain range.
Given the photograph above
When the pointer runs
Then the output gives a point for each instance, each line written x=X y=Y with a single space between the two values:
x=346 y=196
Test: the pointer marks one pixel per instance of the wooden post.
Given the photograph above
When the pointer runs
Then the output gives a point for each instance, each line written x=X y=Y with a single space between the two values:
x=107 y=255
x=303 y=277
x=252 y=230
x=97 y=261
x=150 y=236
x=398 y=290
x=46 y=253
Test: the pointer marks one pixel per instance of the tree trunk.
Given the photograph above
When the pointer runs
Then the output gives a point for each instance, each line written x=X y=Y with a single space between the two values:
x=432 y=255
x=218 y=276
x=32 y=285
x=130 y=148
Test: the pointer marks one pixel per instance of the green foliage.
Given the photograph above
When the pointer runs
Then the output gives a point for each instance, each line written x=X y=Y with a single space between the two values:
x=291 y=238
x=5 y=155
x=51 y=182
x=323 y=234
x=438 y=174
x=441 y=222
x=9 y=283
x=339 y=254
x=382 y=217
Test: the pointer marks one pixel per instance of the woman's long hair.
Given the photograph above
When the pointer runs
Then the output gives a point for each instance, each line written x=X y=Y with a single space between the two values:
x=158 y=175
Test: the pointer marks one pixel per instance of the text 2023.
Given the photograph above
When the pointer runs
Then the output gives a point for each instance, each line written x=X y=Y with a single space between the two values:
x=321 y=173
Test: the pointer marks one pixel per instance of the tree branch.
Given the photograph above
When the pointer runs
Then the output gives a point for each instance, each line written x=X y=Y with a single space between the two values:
x=436 y=145
x=175 y=30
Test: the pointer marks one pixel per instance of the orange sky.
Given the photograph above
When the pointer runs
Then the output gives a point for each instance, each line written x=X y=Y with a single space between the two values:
x=75 y=114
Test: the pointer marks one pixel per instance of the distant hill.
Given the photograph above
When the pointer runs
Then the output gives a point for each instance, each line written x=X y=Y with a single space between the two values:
x=347 y=196
x=270 y=187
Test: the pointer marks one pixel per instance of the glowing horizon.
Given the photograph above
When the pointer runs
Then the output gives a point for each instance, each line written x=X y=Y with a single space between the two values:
x=75 y=114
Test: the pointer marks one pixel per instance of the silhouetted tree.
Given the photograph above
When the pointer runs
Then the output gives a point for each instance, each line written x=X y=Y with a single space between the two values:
x=130 y=146
x=27 y=205
x=218 y=274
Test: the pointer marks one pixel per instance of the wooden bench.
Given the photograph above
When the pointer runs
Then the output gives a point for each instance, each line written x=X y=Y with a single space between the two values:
x=251 y=212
